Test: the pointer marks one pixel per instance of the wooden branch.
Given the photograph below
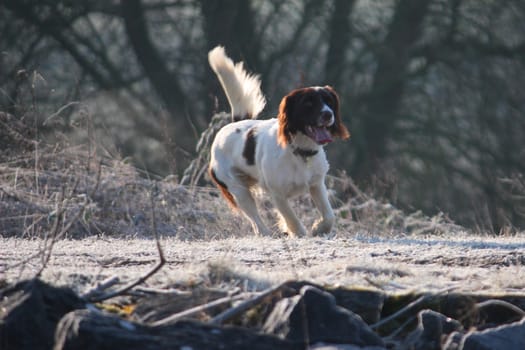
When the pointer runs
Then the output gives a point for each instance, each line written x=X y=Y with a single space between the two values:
x=309 y=12
x=409 y=307
x=197 y=309
x=162 y=79
x=105 y=284
x=502 y=303
x=246 y=305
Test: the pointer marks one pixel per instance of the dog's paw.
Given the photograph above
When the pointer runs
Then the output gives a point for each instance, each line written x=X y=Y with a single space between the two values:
x=293 y=231
x=301 y=232
x=261 y=230
x=322 y=227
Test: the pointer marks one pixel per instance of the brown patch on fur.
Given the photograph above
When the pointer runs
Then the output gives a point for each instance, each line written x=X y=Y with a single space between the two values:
x=283 y=133
x=224 y=189
x=249 y=147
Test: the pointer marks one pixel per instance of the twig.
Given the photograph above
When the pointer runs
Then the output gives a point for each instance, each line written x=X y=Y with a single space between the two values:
x=392 y=335
x=168 y=291
x=153 y=271
x=198 y=165
x=198 y=309
x=21 y=262
x=350 y=183
x=402 y=311
x=502 y=303
x=245 y=305
x=60 y=110
x=105 y=284
x=60 y=213
x=46 y=251
x=407 y=308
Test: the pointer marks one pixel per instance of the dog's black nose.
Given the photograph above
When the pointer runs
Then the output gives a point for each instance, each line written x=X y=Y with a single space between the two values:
x=326 y=117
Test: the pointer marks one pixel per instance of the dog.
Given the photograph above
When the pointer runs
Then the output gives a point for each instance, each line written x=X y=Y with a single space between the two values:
x=283 y=156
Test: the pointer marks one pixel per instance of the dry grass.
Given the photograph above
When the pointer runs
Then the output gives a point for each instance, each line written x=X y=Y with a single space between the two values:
x=31 y=189
x=61 y=192
x=120 y=206
x=36 y=179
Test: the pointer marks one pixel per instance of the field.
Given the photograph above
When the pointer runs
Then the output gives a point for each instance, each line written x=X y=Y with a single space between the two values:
x=152 y=248
x=394 y=264
x=80 y=218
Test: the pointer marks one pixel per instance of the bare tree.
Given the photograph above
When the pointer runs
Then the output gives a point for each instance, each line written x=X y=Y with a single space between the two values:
x=339 y=41
x=380 y=108
x=431 y=88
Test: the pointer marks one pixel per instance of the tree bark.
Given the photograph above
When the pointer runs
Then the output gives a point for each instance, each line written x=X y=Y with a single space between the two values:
x=165 y=82
x=229 y=23
x=338 y=41
x=379 y=114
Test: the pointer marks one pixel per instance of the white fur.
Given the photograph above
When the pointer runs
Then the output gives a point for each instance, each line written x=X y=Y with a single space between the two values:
x=277 y=170
x=243 y=89
x=326 y=108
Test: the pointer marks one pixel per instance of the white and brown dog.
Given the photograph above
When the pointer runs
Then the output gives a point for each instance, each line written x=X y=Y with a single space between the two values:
x=283 y=156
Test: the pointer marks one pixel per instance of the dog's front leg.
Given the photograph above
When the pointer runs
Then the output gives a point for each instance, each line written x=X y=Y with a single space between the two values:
x=289 y=221
x=320 y=197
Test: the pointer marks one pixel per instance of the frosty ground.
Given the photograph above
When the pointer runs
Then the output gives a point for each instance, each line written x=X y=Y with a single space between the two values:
x=462 y=262
x=102 y=214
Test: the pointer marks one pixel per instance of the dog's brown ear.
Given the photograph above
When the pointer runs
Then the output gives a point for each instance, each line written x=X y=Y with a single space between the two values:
x=338 y=129
x=284 y=136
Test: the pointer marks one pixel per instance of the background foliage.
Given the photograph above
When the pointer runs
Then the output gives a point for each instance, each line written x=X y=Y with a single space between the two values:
x=432 y=90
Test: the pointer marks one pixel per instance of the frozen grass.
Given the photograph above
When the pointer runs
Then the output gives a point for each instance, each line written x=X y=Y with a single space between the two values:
x=33 y=188
x=96 y=210
x=393 y=264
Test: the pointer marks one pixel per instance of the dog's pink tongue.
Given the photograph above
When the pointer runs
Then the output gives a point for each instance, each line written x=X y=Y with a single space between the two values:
x=322 y=135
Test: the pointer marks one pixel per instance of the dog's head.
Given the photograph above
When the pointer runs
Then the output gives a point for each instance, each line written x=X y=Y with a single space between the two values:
x=313 y=111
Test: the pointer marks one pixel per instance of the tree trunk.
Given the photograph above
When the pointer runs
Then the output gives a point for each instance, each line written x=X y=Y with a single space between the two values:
x=379 y=114
x=229 y=23
x=165 y=82
x=338 y=41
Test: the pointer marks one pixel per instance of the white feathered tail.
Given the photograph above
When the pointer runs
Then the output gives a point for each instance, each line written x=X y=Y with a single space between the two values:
x=242 y=89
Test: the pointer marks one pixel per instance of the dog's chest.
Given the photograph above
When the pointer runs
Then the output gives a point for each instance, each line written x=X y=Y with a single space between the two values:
x=291 y=175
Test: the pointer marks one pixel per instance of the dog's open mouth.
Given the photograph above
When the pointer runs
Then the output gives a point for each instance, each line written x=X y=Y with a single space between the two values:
x=319 y=134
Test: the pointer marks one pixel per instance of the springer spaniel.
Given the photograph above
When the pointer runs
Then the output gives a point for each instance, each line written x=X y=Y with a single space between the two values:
x=283 y=156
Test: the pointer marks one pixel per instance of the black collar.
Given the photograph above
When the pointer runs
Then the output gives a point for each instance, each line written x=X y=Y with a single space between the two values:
x=304 y=152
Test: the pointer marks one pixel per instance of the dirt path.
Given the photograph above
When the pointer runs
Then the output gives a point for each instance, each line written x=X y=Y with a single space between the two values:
x=466 y=263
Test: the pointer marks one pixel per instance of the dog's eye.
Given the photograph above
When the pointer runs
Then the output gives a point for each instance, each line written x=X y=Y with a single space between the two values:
x=308 y=102
x=328 y=101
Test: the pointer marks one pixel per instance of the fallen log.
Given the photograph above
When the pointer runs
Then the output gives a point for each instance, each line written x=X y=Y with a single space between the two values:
x=88 y=330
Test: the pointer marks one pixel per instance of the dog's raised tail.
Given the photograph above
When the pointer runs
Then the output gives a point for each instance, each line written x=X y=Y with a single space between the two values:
x=242 y=89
